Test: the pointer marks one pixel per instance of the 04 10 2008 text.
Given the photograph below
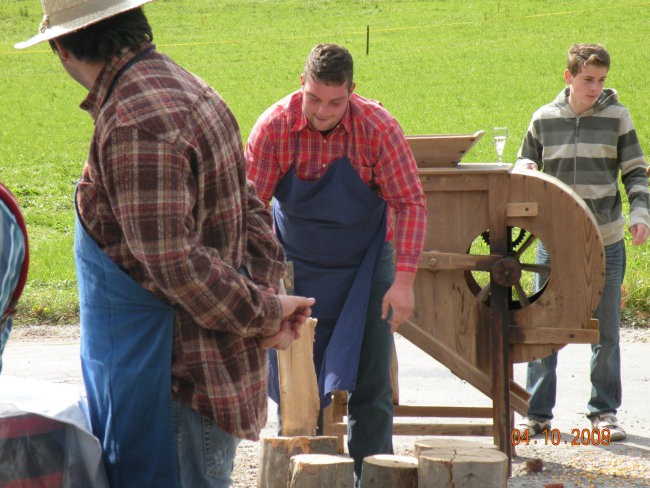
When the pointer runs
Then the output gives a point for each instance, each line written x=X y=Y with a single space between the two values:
x=578 y=437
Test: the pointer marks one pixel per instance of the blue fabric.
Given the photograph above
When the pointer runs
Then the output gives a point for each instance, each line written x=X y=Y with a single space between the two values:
x=333 y=230
x=126 y=347
x=12 y=255
x=206 y=453
x=541 y=380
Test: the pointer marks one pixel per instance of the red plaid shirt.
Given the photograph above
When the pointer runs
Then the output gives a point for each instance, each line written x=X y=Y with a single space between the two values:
x=375 y=145
x=164 y=194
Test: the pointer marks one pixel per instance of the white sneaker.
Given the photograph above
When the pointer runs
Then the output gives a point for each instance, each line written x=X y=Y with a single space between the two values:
x=530 y=427
x=608 y=421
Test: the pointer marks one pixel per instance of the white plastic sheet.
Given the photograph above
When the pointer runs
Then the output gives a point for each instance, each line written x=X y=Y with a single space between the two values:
x=45 y=436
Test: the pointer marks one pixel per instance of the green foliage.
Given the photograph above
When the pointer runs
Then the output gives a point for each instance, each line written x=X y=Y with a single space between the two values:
x=439 y=66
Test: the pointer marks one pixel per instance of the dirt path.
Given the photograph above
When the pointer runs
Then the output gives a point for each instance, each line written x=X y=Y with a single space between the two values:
x=51 y=353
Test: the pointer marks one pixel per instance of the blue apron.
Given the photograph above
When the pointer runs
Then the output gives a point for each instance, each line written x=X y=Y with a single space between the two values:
x=333 y=230
x=126 y=353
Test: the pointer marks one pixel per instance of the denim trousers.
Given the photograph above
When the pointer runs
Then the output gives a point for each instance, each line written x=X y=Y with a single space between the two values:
x=205 y=453
x=370 y=405
x=541 y=379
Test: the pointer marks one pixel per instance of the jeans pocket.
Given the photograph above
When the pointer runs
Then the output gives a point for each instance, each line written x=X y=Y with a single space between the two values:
x=219 y=449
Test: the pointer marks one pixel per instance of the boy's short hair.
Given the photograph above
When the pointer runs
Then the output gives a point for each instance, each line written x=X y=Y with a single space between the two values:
x=330 y=64
x=581 y=55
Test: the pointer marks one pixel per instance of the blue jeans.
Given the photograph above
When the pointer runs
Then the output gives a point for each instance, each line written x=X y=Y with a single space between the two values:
x=370 y=405
x=541 y=379
x=205 y=453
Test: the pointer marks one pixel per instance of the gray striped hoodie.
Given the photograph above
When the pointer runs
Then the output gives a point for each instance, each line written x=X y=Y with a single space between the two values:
x=587 y=152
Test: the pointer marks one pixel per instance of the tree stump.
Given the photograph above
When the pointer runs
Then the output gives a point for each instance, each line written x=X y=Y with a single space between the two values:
x=321 y=471
x=389 y=471
x=427 y=443
x=276 y=453
x=469 y=468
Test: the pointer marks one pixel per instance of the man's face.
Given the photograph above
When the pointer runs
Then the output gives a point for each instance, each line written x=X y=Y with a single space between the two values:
x=324 y=105
x=586 y=87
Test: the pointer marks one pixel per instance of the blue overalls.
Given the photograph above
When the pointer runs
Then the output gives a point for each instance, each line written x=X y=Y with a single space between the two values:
x=334 y=231
x=126 y=353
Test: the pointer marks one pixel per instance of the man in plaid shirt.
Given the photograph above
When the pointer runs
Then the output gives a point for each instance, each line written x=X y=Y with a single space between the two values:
x=176 y=260
x=345 y=183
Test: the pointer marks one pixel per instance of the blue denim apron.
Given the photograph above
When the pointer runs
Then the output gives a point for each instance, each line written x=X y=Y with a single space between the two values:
x=333 y=230
x=126 y=353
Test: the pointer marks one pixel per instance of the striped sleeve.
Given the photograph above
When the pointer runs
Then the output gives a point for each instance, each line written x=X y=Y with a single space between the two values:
x=633 y=172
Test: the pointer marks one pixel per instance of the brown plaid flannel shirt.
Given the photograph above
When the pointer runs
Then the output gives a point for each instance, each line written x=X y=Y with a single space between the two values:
x=164 y=193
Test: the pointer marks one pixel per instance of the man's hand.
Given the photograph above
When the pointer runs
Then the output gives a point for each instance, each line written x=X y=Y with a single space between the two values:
x=640 y=233
x=295 y=311
x=282 y=339
x=526 y=164
x=399 y=300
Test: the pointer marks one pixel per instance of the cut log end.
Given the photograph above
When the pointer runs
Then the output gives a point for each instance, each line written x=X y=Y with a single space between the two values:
x=470 y=468
x=387 y=471
x=321 y=471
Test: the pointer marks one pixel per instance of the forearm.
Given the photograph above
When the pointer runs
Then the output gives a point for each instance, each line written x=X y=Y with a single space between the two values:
x=410 y=228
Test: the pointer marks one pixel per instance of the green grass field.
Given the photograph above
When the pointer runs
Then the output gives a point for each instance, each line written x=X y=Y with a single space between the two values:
x=438 y=66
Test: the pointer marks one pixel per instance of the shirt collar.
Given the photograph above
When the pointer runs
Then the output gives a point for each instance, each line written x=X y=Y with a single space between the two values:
x=100 y=91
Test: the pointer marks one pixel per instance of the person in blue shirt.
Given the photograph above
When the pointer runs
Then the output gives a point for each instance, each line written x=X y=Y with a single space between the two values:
x=13 y=262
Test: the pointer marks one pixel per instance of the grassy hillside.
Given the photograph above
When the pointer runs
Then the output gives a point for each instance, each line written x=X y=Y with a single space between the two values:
x=438 y=66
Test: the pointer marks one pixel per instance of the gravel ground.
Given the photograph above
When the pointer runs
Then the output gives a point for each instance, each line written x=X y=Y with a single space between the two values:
x=619 y=465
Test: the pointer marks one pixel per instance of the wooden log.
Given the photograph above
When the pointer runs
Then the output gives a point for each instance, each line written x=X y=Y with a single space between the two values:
x=321 y=471
x=469 y=468
x=389 y=471
x=429 y=443
x=299 y=399
x=276 y=453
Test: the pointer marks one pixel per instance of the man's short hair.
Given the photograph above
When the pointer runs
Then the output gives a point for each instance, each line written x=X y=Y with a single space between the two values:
x=330 y=64
x=581 y=55
x=106 y=39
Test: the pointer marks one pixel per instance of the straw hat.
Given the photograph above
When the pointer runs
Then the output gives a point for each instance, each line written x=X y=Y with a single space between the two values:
x=61 y=17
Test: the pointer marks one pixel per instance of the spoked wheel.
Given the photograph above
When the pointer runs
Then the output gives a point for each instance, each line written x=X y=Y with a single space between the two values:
x=528 y=277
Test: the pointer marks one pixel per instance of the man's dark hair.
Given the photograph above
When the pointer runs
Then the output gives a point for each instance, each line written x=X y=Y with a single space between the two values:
x=330 y=64
x=107 y=38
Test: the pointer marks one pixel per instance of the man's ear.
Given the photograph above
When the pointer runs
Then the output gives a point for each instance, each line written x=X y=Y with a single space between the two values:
x=568 y=77
x=352 y=87
x=63 y=53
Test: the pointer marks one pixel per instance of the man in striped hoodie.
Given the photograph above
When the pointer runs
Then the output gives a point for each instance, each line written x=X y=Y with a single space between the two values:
x=586 y=138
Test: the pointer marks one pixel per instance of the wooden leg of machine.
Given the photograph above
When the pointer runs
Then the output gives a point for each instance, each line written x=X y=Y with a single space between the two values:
x=499 y=308
x=333 y=414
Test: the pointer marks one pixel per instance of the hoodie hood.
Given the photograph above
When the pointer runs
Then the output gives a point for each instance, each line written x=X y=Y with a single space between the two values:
x=609 y=96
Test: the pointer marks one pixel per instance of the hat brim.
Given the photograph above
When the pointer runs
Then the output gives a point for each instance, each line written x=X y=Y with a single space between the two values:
x=82 y=16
